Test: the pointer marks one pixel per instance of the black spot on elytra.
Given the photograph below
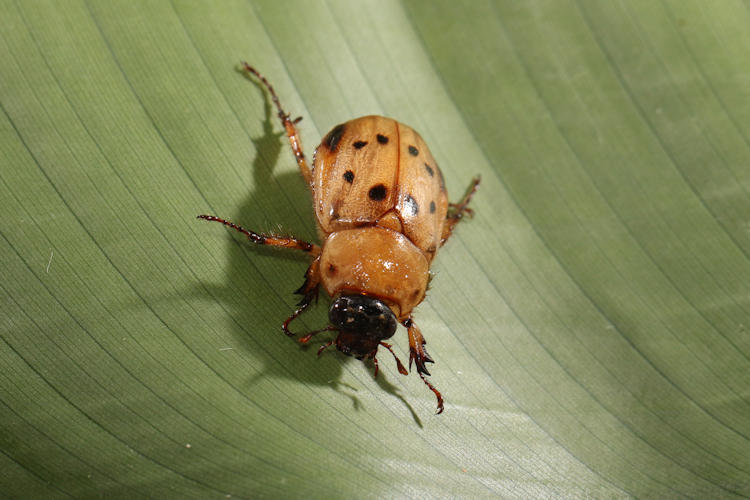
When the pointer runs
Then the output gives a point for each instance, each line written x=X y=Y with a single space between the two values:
x=430 y=172
x=382 y=139
x=413 y=151
x=331 y=269
x=411 y=207
x=332 y=139
x=432 y=207
x=377 y=192
x=349 y=176
x=359 y=144
x=442 y=180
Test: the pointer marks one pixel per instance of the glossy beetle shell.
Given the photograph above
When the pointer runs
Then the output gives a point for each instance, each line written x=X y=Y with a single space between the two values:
x=380 y=204
x=375 y=170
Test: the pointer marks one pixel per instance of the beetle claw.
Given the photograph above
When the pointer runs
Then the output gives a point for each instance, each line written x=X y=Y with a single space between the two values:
x=419 y=361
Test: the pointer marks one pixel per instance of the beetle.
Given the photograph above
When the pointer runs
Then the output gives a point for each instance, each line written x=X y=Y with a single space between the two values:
x=382 y=212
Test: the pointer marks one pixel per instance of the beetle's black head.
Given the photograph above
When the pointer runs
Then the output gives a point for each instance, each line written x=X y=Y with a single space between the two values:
x=363 y=322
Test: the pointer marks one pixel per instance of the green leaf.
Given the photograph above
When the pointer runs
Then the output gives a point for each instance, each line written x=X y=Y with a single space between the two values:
x=589 y=325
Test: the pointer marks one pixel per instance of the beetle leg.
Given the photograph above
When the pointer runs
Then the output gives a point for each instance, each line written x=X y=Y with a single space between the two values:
x=399 y=365
x=457 y=211
x=306 y=338
x=309 y=289
x=437 y=394
x=266 y=239
x=324 y=347
x=417 y=352
x=287 y=122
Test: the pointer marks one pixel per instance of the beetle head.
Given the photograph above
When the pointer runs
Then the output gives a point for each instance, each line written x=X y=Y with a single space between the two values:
x=363 y=322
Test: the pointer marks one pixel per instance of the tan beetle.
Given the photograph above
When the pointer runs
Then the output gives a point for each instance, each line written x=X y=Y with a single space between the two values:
x=382 y=212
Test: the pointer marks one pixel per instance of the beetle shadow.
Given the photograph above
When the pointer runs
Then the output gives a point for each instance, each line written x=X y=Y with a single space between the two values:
x=393 y=390
x=286 y=198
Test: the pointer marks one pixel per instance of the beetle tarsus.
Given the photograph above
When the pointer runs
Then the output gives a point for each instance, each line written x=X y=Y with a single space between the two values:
x=286 y=122
x=306 y=338
x=437 y=394
x=459 y=210
x=297 y=312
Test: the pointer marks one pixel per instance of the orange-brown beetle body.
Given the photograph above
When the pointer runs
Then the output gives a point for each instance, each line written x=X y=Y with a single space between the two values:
x=382 y=212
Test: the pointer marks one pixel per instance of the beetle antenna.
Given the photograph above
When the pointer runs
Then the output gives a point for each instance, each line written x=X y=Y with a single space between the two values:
x=437 y=394
x=399 y=365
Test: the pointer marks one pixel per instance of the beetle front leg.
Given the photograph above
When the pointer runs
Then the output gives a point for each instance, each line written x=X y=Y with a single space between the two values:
x=418 y=354
x=287 y=122
x=309 y=291
x=399 y=365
